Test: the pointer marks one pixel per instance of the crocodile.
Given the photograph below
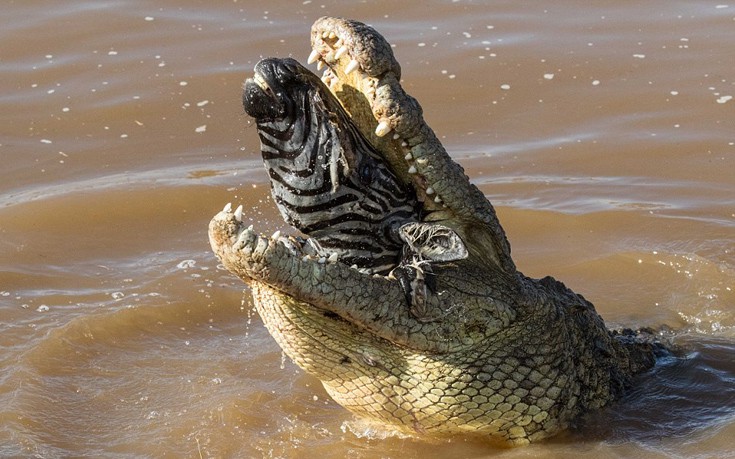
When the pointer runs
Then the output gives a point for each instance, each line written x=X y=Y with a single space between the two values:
x=416 y=316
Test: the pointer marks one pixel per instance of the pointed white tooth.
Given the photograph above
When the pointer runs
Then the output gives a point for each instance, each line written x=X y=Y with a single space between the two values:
x=322 y=260
x=320 y=65
x=238 y=213
x=408 y=156
x=422 y=161
x=276 y=235
x=305 y=258
x=325 y=34
x=396 y=136
x=430 y=191
x=351 y=67
x=353 y=266
x=338 y=43
x=228 y=207
x=340 y=52
x=437 y=199
x=250 y=228
x=412 y=169
x=333 y=257
x=404 y=144
x=313 y=57
x=332 y=35
x=383 y=128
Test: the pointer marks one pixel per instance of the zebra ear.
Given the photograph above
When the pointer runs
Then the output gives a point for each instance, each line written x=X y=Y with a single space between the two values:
x=433 y=242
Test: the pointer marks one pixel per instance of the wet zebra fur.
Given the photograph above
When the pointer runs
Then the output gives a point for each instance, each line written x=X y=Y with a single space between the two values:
x=326 y=178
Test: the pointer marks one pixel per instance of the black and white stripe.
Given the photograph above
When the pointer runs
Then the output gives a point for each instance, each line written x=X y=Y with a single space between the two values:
x=329 y=182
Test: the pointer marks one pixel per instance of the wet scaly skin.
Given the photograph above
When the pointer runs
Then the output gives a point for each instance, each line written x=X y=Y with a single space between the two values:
x=502 y=356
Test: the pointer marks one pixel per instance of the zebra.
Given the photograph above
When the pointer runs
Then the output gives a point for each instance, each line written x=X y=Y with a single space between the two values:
x=326 y=179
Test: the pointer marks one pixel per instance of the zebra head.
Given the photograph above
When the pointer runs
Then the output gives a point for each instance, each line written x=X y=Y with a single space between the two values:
x=326 y=178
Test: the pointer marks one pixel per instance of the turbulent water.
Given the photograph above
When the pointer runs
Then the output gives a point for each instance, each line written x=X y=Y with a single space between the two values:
x=604 y=133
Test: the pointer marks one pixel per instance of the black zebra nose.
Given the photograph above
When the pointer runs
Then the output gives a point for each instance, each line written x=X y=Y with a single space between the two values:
x=260 y=102
x=267 y=96
x=280 y=74
x=272 y=92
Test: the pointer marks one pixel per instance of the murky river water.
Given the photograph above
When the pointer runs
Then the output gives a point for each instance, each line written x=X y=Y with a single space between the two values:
x=604 y=133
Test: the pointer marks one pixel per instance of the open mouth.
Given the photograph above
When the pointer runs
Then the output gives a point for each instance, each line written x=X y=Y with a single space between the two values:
x=400 y=293
x=379 y=194
x=371 y=229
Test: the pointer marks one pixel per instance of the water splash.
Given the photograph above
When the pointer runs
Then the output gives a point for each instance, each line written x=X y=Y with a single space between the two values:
x=370 y=430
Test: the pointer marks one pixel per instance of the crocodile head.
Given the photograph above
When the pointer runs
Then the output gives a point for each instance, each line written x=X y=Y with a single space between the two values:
x=402 y=297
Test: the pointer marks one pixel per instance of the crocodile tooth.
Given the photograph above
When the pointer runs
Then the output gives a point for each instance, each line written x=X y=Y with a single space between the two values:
x=404 y=144
x=250 y=228
x=338 y=43
x=313 y=57
x=351 y=67
x=430 y=191
x=322 y=260
x=228 y=207
x=276 y=235
x=320 y=65
x=408 y=156
x=396 y=136
x=422 y=161
x=333 y=257
x=437 y=200
x=238 y=213
x=412 y=169
x=383 y=128
x=305 y=258
x=332 y=35
x=340 y=52
x=289 y=245
x=325 y=34
x=353 y=266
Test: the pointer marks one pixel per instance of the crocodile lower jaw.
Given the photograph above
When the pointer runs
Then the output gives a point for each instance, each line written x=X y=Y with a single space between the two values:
x=232 y=231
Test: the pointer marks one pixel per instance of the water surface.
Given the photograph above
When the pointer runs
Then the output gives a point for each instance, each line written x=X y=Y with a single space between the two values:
x=604 y=134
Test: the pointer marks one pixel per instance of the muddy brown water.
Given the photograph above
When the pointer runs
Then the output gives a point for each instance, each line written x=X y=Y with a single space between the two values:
x=604 y=133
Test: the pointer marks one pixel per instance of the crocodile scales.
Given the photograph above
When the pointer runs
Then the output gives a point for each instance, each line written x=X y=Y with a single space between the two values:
x=448 y=337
